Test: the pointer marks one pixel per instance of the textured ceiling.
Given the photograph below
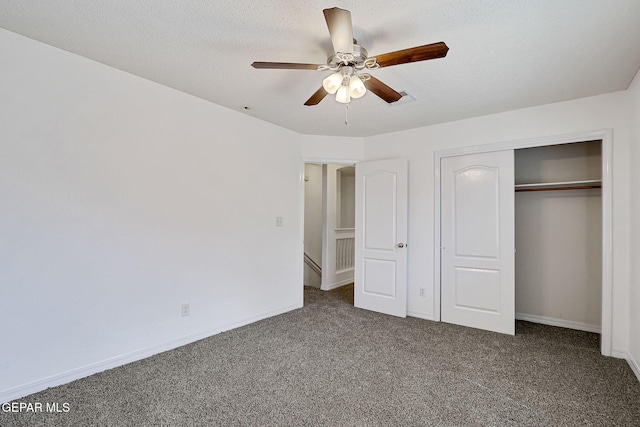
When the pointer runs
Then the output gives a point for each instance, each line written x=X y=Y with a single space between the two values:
x=504 y=54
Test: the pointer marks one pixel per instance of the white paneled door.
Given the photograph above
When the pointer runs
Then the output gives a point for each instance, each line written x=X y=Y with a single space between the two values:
x=478 y=239
x=380 y=282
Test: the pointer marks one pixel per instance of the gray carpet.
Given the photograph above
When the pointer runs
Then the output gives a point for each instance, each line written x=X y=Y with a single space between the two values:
x=330 y=364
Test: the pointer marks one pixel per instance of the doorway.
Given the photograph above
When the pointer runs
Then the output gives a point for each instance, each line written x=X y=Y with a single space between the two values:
x=329 y=225
x=378 y=251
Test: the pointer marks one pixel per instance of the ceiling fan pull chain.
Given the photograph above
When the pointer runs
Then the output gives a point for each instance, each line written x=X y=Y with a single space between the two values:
x=346 y=114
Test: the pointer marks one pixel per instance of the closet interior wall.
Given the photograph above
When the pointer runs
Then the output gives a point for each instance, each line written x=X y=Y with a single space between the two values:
x=558 y=234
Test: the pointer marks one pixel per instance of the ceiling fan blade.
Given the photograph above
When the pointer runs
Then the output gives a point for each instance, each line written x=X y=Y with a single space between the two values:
x=382 y=90
x=284 y=65
x=317 y=97
x=414 y=54
x=340 y=29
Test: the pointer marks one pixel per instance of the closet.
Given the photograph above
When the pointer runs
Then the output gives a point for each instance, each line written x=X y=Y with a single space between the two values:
x=522 y=232
x=558 y=235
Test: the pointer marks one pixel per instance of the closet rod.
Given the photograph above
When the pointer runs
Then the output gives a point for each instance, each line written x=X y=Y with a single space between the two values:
x=584 y=184
x=581 y=187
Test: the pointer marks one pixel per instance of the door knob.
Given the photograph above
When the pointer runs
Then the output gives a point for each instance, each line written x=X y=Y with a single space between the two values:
x=400 y=245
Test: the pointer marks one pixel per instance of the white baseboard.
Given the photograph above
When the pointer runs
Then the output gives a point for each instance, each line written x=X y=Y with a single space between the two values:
x=336 y=285
x=635 y=366
x=420 y=315
x=624 y=354
x=562 y=323
x=113 y=362
x=619 y=353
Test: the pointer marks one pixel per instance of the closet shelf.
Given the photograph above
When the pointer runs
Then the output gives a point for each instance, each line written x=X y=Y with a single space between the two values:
x=567 y=185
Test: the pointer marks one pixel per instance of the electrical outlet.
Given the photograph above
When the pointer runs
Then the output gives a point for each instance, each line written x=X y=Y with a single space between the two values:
x=279 y=221
x=186 y=309
x=422 y=292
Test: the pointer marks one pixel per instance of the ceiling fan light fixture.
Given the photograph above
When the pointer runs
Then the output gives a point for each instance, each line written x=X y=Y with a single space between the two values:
x=342 y=95
x=332 y=83
x=356 y=87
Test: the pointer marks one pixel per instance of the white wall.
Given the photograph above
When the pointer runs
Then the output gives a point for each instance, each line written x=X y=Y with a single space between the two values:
x=558 y=236
x=313 y=221
x=331 y=149
x=419 y=145
x=123 y=199
x=346 y=208
x=634 y=300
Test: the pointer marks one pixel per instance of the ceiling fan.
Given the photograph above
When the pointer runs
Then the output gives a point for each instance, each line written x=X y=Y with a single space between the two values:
x=350 y=63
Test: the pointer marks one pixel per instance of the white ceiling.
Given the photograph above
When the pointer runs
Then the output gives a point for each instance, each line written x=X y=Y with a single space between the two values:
x=504 y=54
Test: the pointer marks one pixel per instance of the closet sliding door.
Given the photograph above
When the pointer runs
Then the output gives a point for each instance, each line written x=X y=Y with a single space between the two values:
x=477 y=241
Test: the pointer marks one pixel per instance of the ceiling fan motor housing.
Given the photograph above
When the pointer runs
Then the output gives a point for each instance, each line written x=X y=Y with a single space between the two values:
x=355 y=59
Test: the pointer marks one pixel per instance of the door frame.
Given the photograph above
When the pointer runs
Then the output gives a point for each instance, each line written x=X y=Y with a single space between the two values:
x=606 y=136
